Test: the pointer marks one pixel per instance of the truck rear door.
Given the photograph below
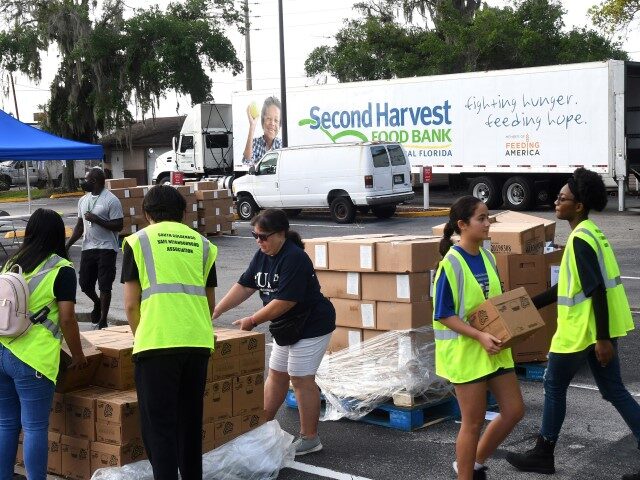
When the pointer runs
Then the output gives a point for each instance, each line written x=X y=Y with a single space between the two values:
x=400 y=169
x=382 y=177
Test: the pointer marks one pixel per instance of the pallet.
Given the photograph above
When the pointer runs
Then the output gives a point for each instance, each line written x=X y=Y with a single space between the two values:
x=233 y=231
x=532 y=372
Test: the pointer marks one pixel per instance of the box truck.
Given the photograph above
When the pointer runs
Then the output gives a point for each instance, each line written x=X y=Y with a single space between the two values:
x=513 y=136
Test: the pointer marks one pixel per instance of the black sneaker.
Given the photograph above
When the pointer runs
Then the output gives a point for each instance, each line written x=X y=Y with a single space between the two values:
x=631 y=476
x=539 y=459
x=480 y=474
x=96 y=313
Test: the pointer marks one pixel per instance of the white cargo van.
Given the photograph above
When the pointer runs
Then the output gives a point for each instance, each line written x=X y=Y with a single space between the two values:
x=344 y=177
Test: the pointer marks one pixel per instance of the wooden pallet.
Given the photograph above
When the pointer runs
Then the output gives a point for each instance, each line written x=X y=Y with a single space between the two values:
x=533 y=372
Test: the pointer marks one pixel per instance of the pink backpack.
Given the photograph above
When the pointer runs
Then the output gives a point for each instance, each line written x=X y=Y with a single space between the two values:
x=14 y=303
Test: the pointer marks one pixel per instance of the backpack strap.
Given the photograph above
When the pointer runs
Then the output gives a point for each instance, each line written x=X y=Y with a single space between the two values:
x=35 y=281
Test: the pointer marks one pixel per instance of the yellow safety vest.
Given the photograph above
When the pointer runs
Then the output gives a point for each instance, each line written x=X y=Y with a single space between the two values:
x=459 y=358
x=576 y=319
x=173 y=262
x=39 y=347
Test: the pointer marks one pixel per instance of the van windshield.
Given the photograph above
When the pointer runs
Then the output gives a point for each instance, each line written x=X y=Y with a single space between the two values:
x=380 y=156
x=397 y=155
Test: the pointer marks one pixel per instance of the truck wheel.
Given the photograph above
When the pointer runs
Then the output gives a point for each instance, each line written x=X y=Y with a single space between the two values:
x=164 y=180
x=384 y=211
x=293 y=212
x=343 y=210
x=487 y=190
x=5 y=184
x=247 y=207
x=517 y=193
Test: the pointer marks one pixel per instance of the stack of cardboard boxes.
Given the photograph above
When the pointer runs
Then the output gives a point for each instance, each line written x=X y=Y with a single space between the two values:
x=130 y=196
x=214 y=207
x=95 y=421
x=376 y=283
x=526 y=257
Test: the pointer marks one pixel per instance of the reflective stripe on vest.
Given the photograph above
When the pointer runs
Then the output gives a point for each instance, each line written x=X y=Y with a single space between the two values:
x=35 y=281
x=154 y=287
x=459 y=273
x=608 y=282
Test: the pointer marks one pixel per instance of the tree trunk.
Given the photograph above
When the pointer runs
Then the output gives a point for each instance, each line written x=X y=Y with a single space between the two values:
x=68 y=180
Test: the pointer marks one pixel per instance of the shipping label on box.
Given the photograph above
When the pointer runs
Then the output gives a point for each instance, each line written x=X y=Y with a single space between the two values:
x=407 y=254
x=343 y=337
x=80 y=412
x=56 y=414
x=340 y=284
x=507 y=238
x=317 y=249
x=76 y=458
x=104 y=455
x=403 y=316
x=390 y=287
x=510 y=317
x=54 y=456
x=248 y=394
x=355 y=313
x=227 y=429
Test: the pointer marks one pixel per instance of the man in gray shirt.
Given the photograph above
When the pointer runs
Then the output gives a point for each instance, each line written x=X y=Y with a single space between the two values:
x=99 y=219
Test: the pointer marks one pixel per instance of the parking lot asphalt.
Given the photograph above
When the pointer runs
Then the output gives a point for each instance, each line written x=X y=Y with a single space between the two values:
x=595 y=442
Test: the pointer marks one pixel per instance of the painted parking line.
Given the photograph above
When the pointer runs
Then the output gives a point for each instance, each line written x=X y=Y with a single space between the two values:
x=595 y=388
x=324 y=472
x=630 y=278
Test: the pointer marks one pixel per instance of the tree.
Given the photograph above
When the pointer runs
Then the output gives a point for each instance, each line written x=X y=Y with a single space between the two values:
x=615 y=15
x=529 y=34
x=108 y=61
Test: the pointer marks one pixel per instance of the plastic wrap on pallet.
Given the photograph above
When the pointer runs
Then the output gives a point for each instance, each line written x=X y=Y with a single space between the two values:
x=256 y=455
x=358 y=379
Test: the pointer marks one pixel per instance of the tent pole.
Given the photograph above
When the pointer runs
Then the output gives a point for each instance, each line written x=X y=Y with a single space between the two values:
x=26 y=173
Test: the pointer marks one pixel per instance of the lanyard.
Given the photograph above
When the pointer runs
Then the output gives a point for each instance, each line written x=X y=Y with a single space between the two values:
x=94 y=202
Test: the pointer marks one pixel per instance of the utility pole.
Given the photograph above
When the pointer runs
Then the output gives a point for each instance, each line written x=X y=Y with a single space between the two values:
x=13 y=90
x=247 y=43
x=26 y=170
x=283 y=80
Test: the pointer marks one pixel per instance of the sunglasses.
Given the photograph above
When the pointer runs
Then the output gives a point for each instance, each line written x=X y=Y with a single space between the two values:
x=561 y=199
x=261 y=236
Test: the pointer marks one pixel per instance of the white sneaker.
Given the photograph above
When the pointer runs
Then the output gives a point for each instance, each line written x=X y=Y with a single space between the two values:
x=307 y=445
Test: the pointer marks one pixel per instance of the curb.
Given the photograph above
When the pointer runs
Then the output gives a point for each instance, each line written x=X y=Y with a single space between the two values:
x=18 y=199
x=441 y=212
x=67 y=195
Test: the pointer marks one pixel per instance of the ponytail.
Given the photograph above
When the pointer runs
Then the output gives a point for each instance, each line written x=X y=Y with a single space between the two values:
x=295 y=238
x=446 y=243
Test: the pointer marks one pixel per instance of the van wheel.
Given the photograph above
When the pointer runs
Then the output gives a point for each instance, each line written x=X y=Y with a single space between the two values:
x=165 y=180
x=5 y=183
x=293 y=212
x=517 y=193
x=343 y=210
x=487 y=190
x=247 y=207
x=384 y=211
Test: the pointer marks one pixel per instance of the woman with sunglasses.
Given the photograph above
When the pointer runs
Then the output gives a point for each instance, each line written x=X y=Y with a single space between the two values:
x=593 y=312
x=283 y=274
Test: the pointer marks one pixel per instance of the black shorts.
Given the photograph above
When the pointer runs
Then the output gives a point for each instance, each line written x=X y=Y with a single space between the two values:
x=497 y=373
x=97 y=265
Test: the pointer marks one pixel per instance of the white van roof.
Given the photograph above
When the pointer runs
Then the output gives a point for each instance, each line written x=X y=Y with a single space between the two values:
x=336 y=145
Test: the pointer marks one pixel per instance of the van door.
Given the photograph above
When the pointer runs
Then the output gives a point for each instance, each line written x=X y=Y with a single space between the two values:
x=382 y=178
x=186 y=154
x=400 y=169
x=266 y=191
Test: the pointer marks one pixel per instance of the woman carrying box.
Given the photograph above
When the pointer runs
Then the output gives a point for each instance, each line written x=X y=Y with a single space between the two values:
x=470 y=359
x=593 y=311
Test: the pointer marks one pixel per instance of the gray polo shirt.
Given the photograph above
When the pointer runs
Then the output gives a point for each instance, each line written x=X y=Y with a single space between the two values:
x=107 y=207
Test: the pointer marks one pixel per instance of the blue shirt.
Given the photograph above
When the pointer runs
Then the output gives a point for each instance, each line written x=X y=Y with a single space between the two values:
x=259 y=148
x=443 y=304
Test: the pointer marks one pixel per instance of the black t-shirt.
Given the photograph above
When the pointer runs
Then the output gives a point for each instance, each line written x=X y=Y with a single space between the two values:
x=130 y=269
x=289 y=275
x=65 y=285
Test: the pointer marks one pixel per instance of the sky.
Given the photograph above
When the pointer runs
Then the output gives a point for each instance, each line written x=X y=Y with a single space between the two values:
x=306 y=25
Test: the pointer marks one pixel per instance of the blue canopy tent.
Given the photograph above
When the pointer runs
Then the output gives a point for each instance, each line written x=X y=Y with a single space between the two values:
x=19 y=141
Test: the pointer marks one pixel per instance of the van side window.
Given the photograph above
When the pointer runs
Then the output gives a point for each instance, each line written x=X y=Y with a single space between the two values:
x=268 y=165
x=186 y=143
x=380 y=156
x=397 y=155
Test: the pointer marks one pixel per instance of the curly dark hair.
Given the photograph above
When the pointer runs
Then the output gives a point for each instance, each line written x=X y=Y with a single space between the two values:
x=588 y=188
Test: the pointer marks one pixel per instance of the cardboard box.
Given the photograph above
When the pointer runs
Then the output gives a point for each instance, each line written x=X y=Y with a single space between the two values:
x=73 y=378
x=343 y=337
x=56 y=414
x=403 y=316
x=251 y=362
x=221 y=368
x=185 y=190
x=407 y=254
x=250 y=342
x=105 y=336
x=116 y=366
x=438 y=230
x=352 y=255
x=218 y=400
x=203 y=185
x=248 y=394
x=521 y=271
x=226 y=430
x=118 y=433
x=223 y=205
x=227 y=343
x=317 y=249
x=212 y=194
x=355 y=313
x=80 y=411
x=340 y=284
x=511 y=317
x=251 y=421
x=54 y=457
x=118 y=418
x=75 y=457
x=117 y=328
x=131 y=206
x=369 y=334
x=113 y=183
x=208 y=437
x=508 y=238
x=552 y=262
x=509 y=216
x=536 y=347
x=104 y=455
x=392 y=287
